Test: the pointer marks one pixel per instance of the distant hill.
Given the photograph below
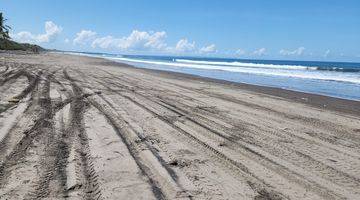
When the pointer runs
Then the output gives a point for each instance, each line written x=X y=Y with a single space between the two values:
x=11 y=45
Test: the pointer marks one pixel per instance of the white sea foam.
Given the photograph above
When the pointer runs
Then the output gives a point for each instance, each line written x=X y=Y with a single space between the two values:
x=83 y=54
x=299 y=73
x=243 y=64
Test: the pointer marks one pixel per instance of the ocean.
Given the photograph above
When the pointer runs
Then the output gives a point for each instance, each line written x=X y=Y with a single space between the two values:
x=336 y=79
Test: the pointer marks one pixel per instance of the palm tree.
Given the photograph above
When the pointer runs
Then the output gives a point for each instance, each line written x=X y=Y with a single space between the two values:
x=4 y=29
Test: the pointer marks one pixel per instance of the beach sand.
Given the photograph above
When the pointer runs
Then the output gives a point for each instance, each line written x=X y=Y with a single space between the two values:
x=75 y=127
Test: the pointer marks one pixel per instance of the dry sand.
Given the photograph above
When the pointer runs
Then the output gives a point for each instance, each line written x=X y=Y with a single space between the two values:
x=75 y=127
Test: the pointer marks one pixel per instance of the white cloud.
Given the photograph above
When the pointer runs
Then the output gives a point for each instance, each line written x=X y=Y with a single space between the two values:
x=51 y=32
x=208 y=49
x=84 y=37
x=137 y=40
x=184 y=46
x=151 y=40
x=66 y=40
x=298 y=52
x=105 y=42
x=240 y=52
x=326 y=54
x=259 y=52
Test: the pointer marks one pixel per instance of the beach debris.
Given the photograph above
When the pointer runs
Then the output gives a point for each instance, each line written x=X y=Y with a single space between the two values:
x=222 y=144
x=179 y=163
x=140 y=140
x=174 y=163
x=13 y=100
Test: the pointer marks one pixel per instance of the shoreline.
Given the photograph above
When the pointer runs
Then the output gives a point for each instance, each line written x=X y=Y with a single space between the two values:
x=317 y=100
x=75 y=126
x=216 y=79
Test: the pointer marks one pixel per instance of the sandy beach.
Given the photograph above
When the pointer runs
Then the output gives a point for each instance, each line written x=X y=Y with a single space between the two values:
x=75 y=127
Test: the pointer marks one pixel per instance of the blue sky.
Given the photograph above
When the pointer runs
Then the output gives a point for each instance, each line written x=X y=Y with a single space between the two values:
x=279 y=29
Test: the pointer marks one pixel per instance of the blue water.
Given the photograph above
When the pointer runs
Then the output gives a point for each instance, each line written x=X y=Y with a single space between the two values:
x=337 y=79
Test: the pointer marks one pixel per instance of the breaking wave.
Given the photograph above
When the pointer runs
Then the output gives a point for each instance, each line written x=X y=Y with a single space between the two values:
x=253 y=68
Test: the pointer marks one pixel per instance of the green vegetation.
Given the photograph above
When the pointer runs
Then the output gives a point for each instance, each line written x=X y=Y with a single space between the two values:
x=4 y=29
x=11 y=45
x=7 y=44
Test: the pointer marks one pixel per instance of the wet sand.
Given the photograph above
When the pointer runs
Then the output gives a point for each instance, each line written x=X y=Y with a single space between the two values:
x=76 y=127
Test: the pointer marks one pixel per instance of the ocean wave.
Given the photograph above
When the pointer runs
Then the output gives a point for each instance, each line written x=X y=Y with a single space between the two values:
x=244 y=64
x=305 y=74
x=339 y=69
x=271 y=66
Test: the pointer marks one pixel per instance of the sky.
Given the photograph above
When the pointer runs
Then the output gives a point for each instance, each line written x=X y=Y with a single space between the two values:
x=325 y=30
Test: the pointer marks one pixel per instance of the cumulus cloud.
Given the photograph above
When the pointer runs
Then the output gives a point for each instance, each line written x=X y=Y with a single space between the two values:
x=208 y=49
x=240 y=52
x=51 y=32
x=66 y=40
x=259 y=52
x=150 y=40
x=137 y=40
x=84 y=37
x=326 y=54
x=105 y=42
x=297 y=52
x=184 y=45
